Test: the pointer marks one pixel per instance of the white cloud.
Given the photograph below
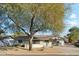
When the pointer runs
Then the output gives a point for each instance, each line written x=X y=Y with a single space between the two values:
x=73 y=16
x=73 y=23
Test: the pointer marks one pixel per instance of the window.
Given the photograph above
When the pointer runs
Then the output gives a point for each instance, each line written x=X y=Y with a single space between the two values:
x=36 y=42
x=20 y=41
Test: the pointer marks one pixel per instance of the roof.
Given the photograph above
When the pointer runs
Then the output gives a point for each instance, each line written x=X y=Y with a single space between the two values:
x=35 y=38
x=3 y=37
x=21 y=38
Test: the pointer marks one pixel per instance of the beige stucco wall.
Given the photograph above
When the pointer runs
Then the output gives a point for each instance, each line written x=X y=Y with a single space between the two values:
x=47 y=44
x=61 y=43
x=50 y=44
x=34 y=46
x=40 y=45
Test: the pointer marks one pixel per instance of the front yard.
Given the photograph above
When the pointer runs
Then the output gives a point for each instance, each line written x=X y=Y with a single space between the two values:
x=56 y=50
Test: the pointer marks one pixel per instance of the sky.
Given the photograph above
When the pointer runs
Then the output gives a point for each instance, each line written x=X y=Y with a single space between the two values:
x=70 y=21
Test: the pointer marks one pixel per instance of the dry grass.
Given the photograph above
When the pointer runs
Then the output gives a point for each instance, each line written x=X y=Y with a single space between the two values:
x=46 y=51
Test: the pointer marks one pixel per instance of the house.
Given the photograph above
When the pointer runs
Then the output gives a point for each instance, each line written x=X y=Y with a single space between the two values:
x=58 y=41
x=6 y=41
x=38 y=41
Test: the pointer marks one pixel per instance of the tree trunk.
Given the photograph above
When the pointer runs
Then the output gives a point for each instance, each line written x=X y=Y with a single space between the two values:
x=30 y=43
x=70 y=40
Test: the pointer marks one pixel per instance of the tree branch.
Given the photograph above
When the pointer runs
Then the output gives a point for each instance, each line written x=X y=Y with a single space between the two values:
x=31 y=26
x=35 y=31
x=18 y=26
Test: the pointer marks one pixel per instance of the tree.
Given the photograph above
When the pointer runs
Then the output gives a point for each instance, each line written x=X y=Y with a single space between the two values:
x=36 y=17
x=1 y=31
x=74 y=34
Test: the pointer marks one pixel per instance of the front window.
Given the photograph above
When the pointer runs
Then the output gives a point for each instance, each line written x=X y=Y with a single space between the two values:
x=36 y=42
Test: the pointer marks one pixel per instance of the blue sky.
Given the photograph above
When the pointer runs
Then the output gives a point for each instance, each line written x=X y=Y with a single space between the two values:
x=72 y=20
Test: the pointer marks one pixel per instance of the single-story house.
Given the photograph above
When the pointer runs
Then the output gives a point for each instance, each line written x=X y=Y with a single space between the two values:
x=6 y=41
x=43 y=41
x=58 y=41
x=37 y=42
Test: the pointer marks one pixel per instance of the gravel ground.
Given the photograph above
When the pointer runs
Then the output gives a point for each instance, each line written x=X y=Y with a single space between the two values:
x=56 y=50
